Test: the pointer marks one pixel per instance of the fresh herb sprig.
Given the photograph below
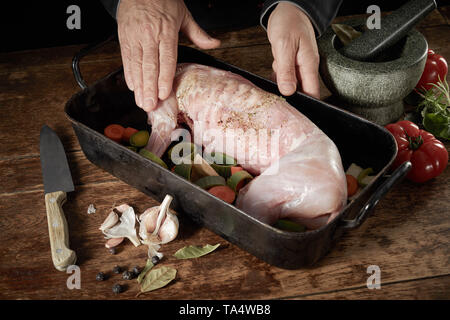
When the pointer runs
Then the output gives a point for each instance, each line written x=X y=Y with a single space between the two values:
x=435 y=109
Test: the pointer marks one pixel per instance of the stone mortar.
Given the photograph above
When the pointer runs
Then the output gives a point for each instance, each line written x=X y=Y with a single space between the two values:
x=373 y=90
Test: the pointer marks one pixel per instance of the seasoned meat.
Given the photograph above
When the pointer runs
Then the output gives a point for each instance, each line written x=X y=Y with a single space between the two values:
x=300 y=174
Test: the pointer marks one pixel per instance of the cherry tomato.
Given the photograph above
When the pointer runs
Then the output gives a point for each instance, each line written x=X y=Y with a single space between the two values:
x=435 y=68
x=428 y=155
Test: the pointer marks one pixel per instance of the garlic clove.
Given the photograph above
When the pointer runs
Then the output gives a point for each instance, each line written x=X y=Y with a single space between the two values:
x=110 y=221
x=148 y=221
x=126 y=228
x=113 y=242
x=169 y=229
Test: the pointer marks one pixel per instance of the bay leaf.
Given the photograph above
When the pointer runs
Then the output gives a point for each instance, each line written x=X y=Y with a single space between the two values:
x=158 y=278
x=191 y=252
x=148 y=266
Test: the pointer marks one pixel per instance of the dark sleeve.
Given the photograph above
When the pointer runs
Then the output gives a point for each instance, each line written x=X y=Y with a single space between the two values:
x=111 y=6
x=320 y=12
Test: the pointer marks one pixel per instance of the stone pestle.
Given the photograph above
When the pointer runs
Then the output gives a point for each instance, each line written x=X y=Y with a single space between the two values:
x=393 y=28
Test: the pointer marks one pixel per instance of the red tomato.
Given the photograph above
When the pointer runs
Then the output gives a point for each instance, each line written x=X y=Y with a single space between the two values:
x=435 y=68
x=428 y=155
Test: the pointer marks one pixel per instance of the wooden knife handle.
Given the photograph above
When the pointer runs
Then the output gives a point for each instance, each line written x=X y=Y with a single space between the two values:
x=62 y=256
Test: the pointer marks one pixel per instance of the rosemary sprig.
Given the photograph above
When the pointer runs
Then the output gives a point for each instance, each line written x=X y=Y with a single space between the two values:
x=435 y=109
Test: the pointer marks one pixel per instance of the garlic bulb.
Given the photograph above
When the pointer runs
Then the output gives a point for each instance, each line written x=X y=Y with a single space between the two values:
x=158 y=226
x=126 y=228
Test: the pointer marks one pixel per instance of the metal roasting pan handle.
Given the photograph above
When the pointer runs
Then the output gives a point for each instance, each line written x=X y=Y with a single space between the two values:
x=387 y=185
x=80 y=54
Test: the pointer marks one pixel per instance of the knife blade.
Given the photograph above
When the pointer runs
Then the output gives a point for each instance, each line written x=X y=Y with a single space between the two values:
x=57 y=182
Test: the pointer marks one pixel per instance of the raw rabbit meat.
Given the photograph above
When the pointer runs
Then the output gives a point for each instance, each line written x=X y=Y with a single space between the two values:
x=300 y=173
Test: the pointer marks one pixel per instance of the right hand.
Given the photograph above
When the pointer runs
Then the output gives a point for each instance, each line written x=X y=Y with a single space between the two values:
x=294 y=48
x=148 y=36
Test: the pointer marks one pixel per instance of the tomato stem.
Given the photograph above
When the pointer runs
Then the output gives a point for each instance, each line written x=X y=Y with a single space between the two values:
x=414 y=142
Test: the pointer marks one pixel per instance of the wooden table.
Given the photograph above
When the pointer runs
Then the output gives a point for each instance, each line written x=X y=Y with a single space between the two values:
x=407 y=235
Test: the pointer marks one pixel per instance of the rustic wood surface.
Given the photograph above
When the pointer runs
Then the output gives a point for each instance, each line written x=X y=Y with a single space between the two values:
x=407 y=235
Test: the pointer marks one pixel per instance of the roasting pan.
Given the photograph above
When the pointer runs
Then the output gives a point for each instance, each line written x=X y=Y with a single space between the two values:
x=358 y=140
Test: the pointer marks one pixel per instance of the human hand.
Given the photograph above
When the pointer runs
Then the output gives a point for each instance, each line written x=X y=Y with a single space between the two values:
x=294 y=48
x=148 y=36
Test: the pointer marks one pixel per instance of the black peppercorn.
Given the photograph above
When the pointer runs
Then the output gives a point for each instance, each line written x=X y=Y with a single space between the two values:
x=127 y=275
x=136 y=271
x=112 y=250
x=117 y=269
x=155 y=259
x=100 y=276
x=117 y=288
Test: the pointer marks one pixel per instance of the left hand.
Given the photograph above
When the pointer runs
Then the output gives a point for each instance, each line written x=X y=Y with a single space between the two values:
x=294 y=48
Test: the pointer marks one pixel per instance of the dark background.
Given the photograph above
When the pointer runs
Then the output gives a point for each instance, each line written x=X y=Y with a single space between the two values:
x=36 y=24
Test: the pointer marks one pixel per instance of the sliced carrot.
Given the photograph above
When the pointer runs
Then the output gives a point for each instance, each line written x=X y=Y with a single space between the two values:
x=223 y=192
x=114 y=132
x=352 y=185
x=128 y=132
x=236 y=169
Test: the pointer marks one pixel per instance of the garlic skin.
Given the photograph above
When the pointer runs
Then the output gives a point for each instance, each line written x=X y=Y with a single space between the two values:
x=126 y=228
x=153 y=250
x=91 y=209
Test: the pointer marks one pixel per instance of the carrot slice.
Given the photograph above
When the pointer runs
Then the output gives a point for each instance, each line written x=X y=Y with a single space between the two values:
x=223 y=192
x=128 y=132
x=352 y=185
x=236 y=169
x=114 y=132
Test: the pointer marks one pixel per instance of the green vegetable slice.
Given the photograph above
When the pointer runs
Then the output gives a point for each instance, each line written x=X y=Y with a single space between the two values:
x=288 y=225
x=184 y=170
x=153 y=157
x=210 y=181
x=191 y=252
x=366 y=180
x=363 y=174
x=158 y=278
x=238 y=180
x=223 y=165
x=140 y=139
x=224 y=171
x=135 y=149
x=180 y=147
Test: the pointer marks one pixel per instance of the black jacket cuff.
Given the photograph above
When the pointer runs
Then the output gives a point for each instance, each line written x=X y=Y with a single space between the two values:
x=320 y=12
x=111 y=6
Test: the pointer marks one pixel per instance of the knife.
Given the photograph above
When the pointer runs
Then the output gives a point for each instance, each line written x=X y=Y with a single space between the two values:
x=57 y=182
